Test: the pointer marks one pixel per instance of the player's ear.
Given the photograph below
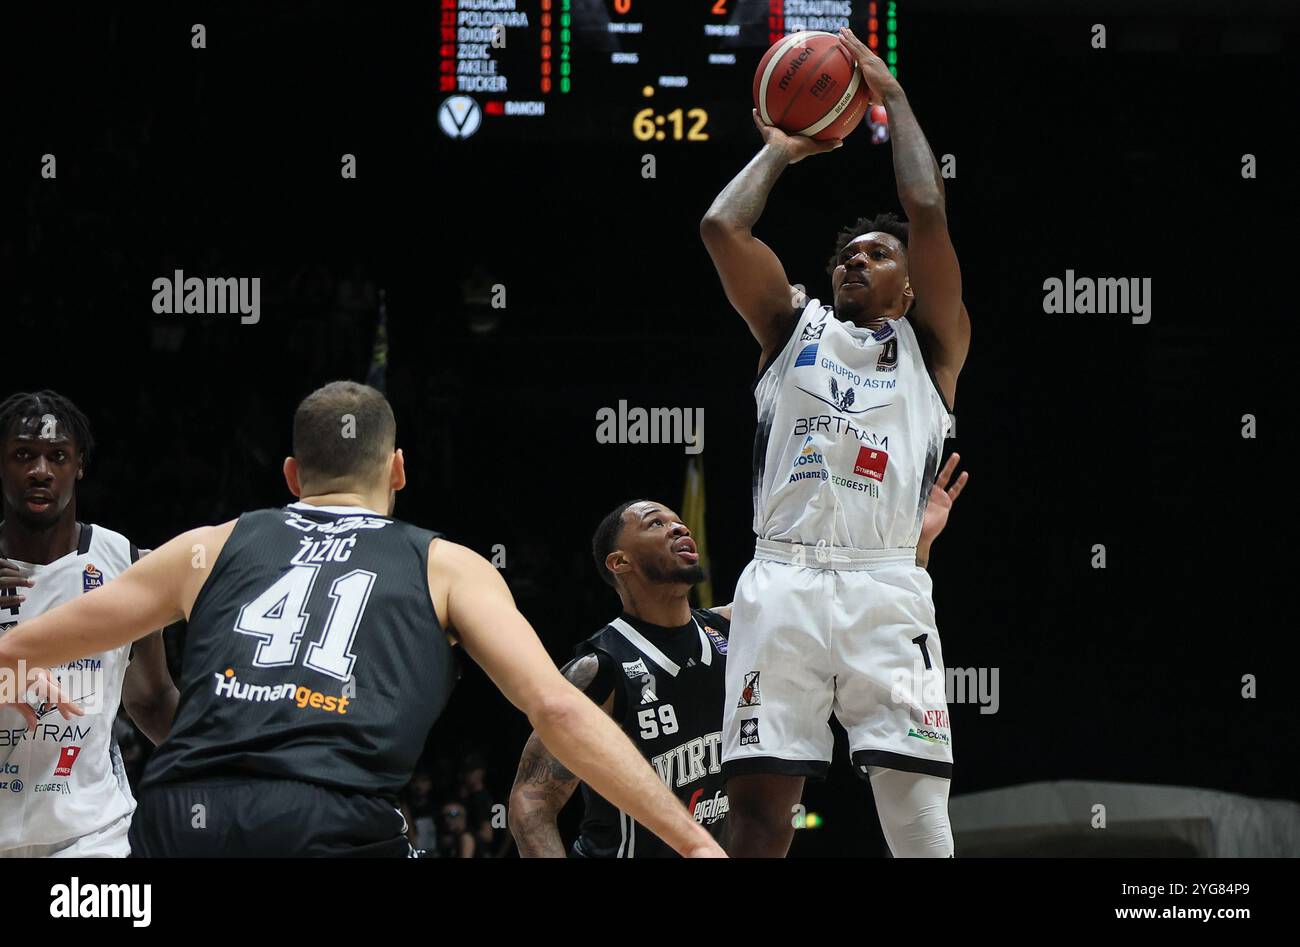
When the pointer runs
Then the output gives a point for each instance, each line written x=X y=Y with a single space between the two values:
x=397 y=472
x=614 y=560
x=291 y=476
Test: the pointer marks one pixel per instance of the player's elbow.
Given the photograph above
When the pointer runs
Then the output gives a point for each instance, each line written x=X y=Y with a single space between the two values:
x=716 y=228
x=556 y=712
x=924 y=202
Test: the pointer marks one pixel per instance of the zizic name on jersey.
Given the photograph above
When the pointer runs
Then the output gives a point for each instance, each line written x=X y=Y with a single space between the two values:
x=334 y=549
x=686 y=763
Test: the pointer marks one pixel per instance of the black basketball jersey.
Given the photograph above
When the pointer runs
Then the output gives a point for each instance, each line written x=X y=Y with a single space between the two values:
x=669 y=685
x=313 y=653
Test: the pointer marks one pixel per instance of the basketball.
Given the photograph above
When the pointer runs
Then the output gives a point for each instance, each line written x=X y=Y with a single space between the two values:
x=809 y=84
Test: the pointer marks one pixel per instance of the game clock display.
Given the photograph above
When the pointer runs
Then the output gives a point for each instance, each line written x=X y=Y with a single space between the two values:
x=625 y=70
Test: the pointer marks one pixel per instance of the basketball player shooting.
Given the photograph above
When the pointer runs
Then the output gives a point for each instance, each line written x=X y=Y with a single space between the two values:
x=854 y=402
x=317 y=657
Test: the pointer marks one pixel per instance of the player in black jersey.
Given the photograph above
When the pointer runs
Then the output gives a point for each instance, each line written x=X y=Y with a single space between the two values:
x=659 y=670
x=318 y=656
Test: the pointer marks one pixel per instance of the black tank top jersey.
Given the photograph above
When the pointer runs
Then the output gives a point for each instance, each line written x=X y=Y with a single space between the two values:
x=313 y=653
x=669 y=685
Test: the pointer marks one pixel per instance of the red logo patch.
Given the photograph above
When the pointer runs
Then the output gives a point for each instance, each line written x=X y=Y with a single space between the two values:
x=871 y=463
x=67 y=756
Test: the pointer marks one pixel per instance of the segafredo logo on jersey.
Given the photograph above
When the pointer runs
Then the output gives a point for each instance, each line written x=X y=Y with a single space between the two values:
x=1104 y=296
x=133 y=901
x=36 y=687
x=91 y=578
x=228 y=685
x=215 y=295
x=651 y=426
x=708 y=811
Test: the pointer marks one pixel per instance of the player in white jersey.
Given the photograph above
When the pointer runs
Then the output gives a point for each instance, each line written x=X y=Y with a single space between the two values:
x=834 y=615
x=63 y=790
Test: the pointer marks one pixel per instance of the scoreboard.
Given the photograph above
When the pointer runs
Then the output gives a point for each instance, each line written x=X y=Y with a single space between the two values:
x=672 y=71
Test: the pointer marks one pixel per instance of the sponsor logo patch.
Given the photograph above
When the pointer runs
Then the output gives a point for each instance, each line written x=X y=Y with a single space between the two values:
x=871 y=463
x=749 y=696
x=718 y=638
x=635 y=668
x=748 y=731
x=812 y=332
x=67 y=757
x=807 y=357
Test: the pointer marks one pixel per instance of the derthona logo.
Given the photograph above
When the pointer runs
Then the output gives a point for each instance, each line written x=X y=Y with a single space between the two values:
x=134 y=901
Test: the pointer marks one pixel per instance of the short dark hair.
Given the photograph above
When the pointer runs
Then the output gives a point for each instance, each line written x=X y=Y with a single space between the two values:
x=25 y=409
x=884 y=222
x=342 y=431
x=606 y=538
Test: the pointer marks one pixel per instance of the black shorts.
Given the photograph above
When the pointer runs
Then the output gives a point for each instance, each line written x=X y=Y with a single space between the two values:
x=266 y=818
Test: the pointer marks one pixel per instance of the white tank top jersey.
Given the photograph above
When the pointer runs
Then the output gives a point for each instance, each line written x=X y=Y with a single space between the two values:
x=850 y=430
x=65 y=779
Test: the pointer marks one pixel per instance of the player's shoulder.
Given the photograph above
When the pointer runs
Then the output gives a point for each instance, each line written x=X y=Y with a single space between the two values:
x=108 y=545
x=708 y=618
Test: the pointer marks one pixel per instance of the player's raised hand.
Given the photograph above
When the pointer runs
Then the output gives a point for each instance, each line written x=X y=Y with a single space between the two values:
x=44 y=690
x=874 y=71
x=942 y=497
x=12 y=579
x=796 y=147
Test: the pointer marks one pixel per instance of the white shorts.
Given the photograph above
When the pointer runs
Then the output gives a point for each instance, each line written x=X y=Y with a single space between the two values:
x=847 y=631
x=108 y=842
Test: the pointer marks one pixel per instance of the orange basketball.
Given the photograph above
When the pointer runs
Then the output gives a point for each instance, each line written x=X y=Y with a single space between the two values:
x=809 y=84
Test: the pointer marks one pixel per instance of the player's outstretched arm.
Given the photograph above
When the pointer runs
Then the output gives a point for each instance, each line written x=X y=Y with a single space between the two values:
x=931 y=259
x=543 y=785
x=752 y=276
x=479 y=607
x=156 y=591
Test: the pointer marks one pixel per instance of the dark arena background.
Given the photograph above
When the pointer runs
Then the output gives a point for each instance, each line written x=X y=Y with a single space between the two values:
x=518 y=249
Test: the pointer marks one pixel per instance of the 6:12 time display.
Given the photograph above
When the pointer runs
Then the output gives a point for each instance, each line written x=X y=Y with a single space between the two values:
x=683 y=125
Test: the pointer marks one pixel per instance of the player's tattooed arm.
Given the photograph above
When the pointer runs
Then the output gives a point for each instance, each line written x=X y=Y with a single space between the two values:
x=933 y=270
x=752 y=276
x=543 y=785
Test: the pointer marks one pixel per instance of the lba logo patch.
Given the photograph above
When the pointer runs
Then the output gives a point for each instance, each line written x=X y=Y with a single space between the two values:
x=749 y=697
x=871 y=463
x=718 y=638
x=749 y=731
x=67 y=756
x=91 y=578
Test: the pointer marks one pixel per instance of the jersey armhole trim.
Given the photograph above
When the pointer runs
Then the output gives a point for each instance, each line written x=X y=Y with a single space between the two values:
x=795 y=313
x=929 y=371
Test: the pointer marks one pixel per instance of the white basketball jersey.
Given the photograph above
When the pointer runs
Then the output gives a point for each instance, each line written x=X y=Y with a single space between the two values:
x=65 y=779
x=850 y=431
